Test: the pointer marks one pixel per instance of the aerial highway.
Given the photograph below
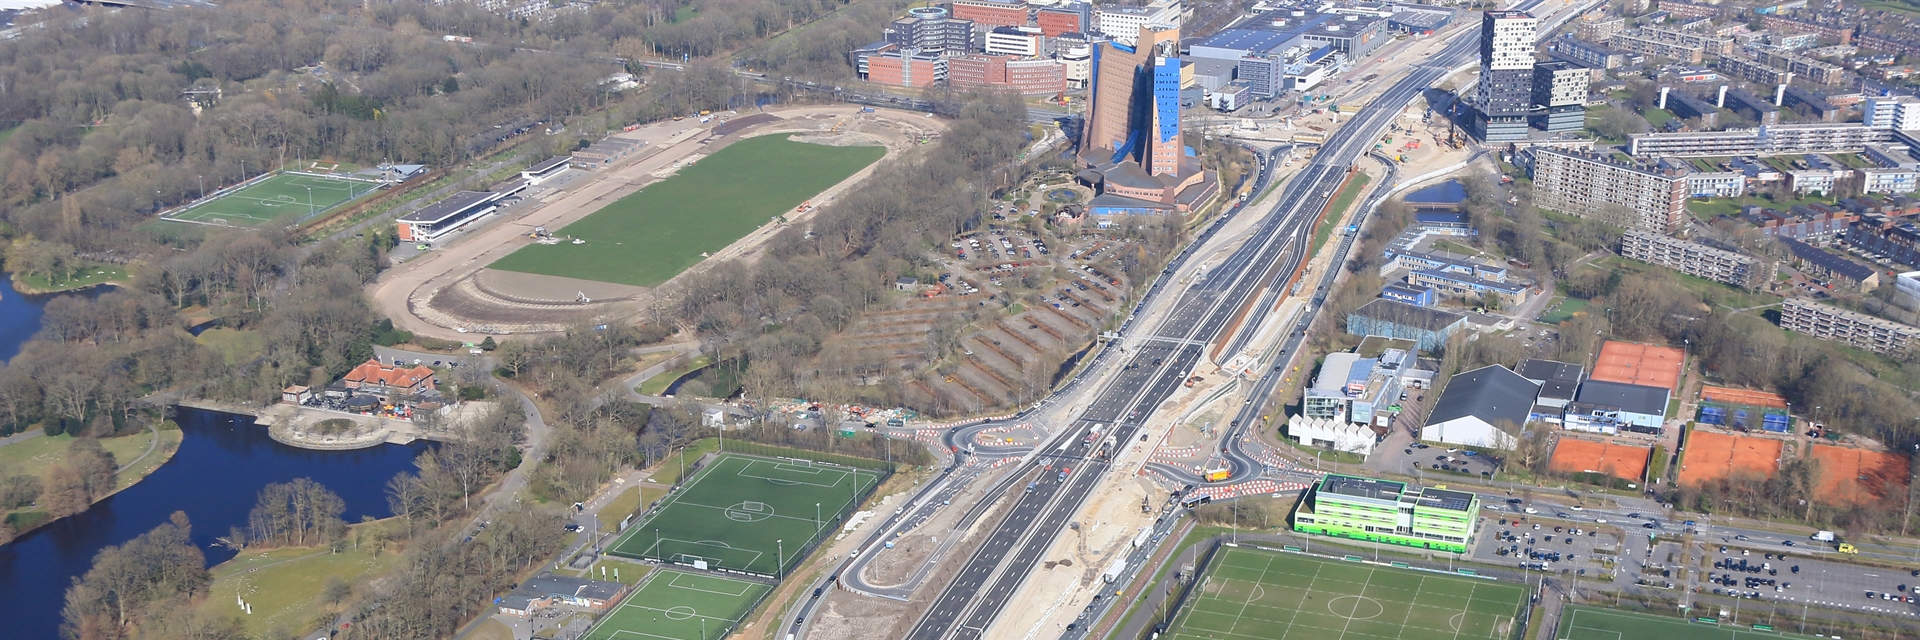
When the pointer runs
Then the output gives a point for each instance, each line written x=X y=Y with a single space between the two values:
x=1156 y=361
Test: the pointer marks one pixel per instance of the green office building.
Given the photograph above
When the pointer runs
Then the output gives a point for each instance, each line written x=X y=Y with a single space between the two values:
x=1388 y=511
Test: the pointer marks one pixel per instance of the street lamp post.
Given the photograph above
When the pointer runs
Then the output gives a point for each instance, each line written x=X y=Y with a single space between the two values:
x=779 y=570
x=309 y=200
x=203 y=187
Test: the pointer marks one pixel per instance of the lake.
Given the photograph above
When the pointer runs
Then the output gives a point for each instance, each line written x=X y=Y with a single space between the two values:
x=215 y=477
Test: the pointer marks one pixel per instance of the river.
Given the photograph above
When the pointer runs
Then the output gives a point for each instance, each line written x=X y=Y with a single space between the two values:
x=222 y=463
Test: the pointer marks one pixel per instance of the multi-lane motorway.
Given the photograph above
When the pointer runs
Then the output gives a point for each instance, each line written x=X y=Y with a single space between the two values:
x=1069 y=467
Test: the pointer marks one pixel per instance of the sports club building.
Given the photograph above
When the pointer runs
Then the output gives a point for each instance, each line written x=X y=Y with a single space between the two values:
x=1387 y=511
x=446 y=216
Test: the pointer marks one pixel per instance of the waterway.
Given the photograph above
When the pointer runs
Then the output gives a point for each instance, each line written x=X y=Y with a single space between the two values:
x=215 y=477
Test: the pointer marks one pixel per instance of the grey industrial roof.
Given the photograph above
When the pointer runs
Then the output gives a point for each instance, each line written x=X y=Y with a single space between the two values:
x=1446 y=499
x=550 y=163
x=1559 y=389
x=1406 y=289
x=547 y=584
x=1402 y=313
x=1628 y=397
x=1539 y=369
x=1493 y=393
x=1359 y=487
x=1248 y=40
x=1840 y=266
x=452 y=205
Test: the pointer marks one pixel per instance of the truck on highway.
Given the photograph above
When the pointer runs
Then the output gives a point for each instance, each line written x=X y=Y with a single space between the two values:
x=1216 y=475
x=1094 y=433
x=1823 y=536
x=1114 y=570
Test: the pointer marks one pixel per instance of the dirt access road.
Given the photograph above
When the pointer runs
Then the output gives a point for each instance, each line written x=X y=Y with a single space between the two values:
x=667 y=142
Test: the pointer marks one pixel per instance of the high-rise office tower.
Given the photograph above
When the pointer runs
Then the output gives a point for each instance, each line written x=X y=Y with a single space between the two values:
x=1136 y=101
x=1560 y=91
x=1505 y=94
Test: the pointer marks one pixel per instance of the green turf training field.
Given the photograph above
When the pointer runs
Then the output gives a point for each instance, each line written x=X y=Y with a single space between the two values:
x=1588 y=623
x=747 y=514
x=676 y=605
x=1270 y=595
x=279 y=199
x=652 y=235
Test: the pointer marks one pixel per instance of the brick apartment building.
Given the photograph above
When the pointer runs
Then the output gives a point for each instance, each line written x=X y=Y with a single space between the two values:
x=1026 y=77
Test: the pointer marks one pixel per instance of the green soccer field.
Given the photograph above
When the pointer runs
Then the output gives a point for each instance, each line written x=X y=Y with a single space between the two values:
x=1588 y=623
x=676 y=605
x=747 y=514
x=281 y=199
x=654 y=234
x=1270 y=595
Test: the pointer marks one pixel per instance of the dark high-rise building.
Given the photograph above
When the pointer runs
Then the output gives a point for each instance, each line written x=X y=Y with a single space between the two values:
x=1505 y=95
x=1560 y=90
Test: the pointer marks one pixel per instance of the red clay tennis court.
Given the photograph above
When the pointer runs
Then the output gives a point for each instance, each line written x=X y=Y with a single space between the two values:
x=1641 y=364
x=1747 y=397
x=1627 y=462
x=1710 y=456
x=1858 y=476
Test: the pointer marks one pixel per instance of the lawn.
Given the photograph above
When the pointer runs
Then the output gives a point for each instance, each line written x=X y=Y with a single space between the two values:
x=1248 y=593
x=676 y=605
x=1338 y=211
x=87 y=274
x=620 y=506
x=1708 y=290
x=1562 y=309
x=286 y=587
x=1717 y=207
x=33 y=457
x=654 y=234
x=1910 y=9
x=235 y=346
x=1588 y=623
x=1657 y=117
x=725 y=516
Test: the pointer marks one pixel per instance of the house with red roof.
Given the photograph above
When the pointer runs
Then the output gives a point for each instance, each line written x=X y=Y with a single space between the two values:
x=379 y=378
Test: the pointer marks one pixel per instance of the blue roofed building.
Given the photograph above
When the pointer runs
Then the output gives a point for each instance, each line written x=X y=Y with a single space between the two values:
x=1428 y=328
x=1417 y=295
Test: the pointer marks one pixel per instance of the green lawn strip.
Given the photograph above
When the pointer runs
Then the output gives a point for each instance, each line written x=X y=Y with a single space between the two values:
x=652 y=235
x=1593 y=623
x=1337 y=212
x=618 y=570
x=1657 y=117
x=286 y=587
x=676 y=605
x=619 y=507
x=87 y=274
x=658 y=384
x=675 y=468
x=1657 y=467
x=746 y=513
x=1193 y=537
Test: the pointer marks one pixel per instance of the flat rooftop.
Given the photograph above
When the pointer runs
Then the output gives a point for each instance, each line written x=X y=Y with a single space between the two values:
x=1357 y=487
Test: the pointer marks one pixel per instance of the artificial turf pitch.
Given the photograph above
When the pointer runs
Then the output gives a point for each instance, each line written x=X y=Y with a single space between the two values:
x=654 y=234
x=746 y=513
x=1587 y=623
x=676 y=605
x=282 y=199
x=1268 y=595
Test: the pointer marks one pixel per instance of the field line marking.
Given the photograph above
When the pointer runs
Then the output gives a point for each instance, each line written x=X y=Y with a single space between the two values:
x=1310 y=589
x=1363 y=594
x=745 y=587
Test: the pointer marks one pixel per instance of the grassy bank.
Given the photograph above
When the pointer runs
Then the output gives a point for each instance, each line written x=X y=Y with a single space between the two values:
x=35 y=456
x=1337 y=213
x=87 y=275
x=288 y=588
x=658 y=384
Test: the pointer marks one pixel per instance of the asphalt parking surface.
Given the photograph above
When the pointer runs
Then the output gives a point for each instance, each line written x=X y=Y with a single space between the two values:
x=1819 y=582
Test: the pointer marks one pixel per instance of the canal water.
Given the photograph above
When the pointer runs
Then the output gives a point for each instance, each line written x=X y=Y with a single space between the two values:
x=215 y=477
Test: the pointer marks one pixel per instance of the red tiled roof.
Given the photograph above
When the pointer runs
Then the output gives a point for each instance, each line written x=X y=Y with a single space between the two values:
x=375 y=373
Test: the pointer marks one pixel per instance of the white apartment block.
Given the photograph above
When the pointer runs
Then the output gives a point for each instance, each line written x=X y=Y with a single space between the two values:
x=1123 y=23
x=1773 y=139
x=1892 y=113
x=1014 y=41
x=1592 y=186
x=1695 y=259
x=1512 y=41
x=1860 y=330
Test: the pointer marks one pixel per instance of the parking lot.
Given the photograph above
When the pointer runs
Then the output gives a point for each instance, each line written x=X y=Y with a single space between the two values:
x=1799 y=578
x=1549 y=543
